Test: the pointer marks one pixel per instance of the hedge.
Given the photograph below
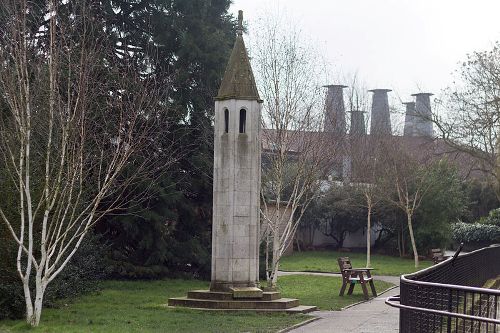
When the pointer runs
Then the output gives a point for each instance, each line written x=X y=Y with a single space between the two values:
x=475 y=233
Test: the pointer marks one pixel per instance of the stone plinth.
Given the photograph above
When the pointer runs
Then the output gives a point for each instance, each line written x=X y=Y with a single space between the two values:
x=249 y=300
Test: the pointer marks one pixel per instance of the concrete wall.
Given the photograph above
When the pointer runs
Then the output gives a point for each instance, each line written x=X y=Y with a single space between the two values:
x=352 y=240
x=284 y=214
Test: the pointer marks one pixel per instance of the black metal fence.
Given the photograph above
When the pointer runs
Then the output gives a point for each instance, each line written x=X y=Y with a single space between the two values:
x=450 y=296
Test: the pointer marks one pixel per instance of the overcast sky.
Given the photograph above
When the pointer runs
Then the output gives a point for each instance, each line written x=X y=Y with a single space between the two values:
x=405 y=45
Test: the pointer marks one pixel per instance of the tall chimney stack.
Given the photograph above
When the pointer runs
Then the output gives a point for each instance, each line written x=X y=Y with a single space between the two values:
x=357 y=123
x=334 y=110
x=409 y=129
x=381 y=118
x=423 y=115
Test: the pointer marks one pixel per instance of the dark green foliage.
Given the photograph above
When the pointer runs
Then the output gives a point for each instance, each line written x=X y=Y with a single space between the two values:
x=11 y=292
x=482 y=232
x=475 y=233
x=82 y=273
x=337 y=213
x=169 y=234
x=493 y=218
x=482 y=199
x=79 y=276
x=187 y=40
x=444 y=203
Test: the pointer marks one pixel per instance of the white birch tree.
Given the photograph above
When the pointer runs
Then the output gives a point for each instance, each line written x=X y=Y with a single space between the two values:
x=296 y=153
x=72 y=124
x=406 y=181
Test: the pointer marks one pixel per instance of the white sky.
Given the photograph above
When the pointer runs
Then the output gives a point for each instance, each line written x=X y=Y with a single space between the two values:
x=405 y=45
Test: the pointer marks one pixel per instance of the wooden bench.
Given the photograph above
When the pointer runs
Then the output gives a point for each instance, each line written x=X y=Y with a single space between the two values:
x=438 y=255
x=352 y=276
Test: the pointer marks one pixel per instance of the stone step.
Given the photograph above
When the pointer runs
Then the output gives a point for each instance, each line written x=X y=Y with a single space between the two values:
x=207 y=294
x=271 y=295
x=279 y=304
x=227 y=296
x=302 y=309
x=246 y=292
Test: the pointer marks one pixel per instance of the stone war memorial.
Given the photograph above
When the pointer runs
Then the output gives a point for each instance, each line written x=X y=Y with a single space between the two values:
x=236 y=198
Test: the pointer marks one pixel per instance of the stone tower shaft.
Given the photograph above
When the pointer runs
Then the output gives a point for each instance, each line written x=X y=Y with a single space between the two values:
x=409 y=128
x=335 y=110
x=380 y=118
x=358 y=126
x=236 y=182
x=423 y=115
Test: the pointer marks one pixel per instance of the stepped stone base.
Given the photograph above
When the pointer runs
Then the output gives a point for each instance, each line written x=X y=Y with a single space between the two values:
x=240 y=300
x=249 y=292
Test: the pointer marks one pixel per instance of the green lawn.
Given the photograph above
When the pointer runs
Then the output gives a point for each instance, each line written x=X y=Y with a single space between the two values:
x=323 y=291
x=326 y=261
x=139 y=306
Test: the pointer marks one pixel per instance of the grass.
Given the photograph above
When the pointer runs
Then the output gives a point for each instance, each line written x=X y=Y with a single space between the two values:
x=139 y=306
x=323 y=291
x=326 y=261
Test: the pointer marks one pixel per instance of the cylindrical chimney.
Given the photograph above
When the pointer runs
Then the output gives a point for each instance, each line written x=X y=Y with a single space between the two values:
x=423 y=115
x=409 y=129
x=358 y=123
x=334 y=110
x=381 y=118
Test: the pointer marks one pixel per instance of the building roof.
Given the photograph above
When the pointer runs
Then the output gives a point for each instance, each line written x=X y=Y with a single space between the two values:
x=238 y=81
x=421 y=148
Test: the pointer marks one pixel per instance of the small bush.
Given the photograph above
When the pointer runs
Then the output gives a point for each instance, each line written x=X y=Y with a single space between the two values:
x=493 y=218
x=470 y=233
x=11 y=295
x=79 y=276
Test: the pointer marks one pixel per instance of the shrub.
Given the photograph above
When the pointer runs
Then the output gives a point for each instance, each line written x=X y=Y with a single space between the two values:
x=81 y=273
x=11 y=294
x=475 y=233
x=433 y=236
x=79 y=276
x=493 y=218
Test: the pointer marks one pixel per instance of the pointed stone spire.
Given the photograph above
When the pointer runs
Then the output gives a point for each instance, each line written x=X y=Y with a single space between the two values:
x=238 y=81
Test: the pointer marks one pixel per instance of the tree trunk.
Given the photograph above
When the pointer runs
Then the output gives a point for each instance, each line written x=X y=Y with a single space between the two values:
x=276 y=256
x=412 y=239
x=368 y=236
x=273 y=278
x=34 y=312
x=27 y=300
x=399 y=244
x=313 y=233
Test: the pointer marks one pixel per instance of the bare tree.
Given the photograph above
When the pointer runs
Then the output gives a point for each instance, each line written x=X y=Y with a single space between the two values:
x=368 y=171
x=296 y=153
x=362 y=149
x=408 y=178
x=73 y=123
x=470 y=124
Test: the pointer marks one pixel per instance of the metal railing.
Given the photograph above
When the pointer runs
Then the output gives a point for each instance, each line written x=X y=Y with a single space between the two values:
x=449 y=297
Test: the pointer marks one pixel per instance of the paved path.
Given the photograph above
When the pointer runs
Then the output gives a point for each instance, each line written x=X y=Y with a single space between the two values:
x=373 y=316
